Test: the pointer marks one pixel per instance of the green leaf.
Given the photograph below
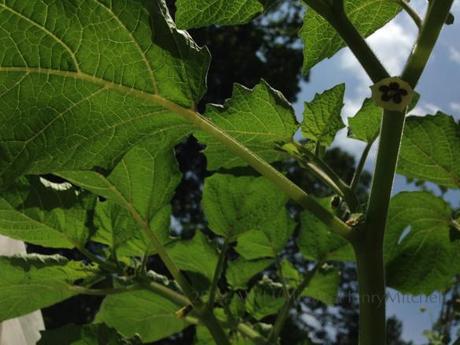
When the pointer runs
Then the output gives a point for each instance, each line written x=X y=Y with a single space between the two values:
x=322 y=119
x=94 y=334
x=143 y=183
x=203 y=336
x=142 y=313
x=195 y=255
x=144 y=180
x=429 y=150
x=32 y=212
x=80 y=90
x=235 y=205
x=264 y=300
x=290 y=274
x=317 y=242
x=32 y=282
x=322 y=41
x=116 y=228
x=421 y=256
x=324 y=286
x=198 y=13
x=269 y=241
x=240 y=271
x=257 y=118
x=365 y=125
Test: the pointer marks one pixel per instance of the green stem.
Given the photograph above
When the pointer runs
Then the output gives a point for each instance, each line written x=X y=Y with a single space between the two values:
x=360 y=167
x=324 y=172
x=411 y=12
x=103 y=292
x=167 y=293
x=284 y=312
x=260 y=165
x=372 y=303
x=217 y=273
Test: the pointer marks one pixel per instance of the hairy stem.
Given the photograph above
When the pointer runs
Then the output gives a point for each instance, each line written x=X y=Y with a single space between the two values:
x=260 y=165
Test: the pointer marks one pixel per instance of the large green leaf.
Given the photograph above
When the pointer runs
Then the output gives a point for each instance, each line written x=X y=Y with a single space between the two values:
x=322 y=120
x=80 y=89
x=197 y=13
x=317 y=242
x=321 y=41
x=235 y=205
x=257 y=118
x=430 y=150
x=33 y=282
x=32 y=212
x=142 y=313
x=421 y=256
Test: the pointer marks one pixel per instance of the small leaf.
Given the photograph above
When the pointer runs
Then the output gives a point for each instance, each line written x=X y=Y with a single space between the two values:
x=264 y=300
x=235 y=205
x=195 y=255
x=322 y=118
x=116 y=228
x=322 y=41
x=32 y=282
x=429 y=150
x=257 y=118
x=198 y=13
x=142 y=313
x=317 y=242
x=365 y=125
x=268 y=241
x=240 y=271
x=420 y=254
x=324 y=286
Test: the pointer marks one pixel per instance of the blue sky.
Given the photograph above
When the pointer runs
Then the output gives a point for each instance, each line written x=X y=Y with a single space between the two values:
x=440 y=91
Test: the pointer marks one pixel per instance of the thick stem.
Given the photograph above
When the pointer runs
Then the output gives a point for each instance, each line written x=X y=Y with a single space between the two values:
x=371 y=279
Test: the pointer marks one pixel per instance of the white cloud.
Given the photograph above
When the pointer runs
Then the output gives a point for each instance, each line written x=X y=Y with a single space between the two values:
x=454 y=106
x=424 y=109
x=454 y=54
